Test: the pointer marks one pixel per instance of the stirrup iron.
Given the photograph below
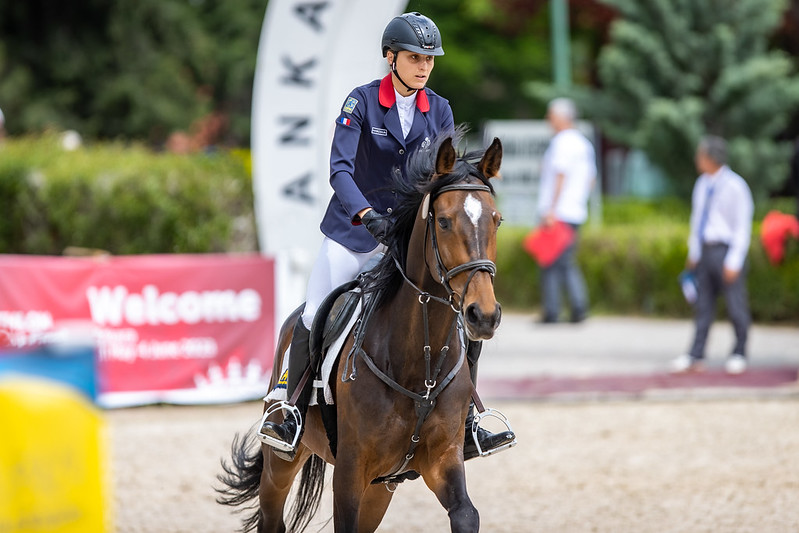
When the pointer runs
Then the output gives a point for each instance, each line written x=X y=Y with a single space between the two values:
x=476 y=424
x=278 y=444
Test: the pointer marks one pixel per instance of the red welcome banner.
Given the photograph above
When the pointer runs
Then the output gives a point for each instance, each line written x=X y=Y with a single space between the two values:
x=167 y=328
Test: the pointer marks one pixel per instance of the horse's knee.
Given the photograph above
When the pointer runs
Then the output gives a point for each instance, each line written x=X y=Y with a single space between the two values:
x=464 y=518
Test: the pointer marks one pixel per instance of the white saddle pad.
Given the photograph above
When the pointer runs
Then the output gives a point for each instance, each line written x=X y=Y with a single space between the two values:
x=278 y=393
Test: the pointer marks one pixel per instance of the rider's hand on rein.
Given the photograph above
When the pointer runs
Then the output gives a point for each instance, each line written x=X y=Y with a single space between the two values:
x=376 y=224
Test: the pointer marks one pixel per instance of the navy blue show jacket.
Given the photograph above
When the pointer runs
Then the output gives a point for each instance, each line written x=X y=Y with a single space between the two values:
x=368 y=147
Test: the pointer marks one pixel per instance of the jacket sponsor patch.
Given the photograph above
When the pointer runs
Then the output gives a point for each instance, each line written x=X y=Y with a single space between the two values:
x=350 y=104
x=379 y=131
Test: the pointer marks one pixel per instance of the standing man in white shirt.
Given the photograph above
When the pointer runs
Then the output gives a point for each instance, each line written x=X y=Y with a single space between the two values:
x=721 y=228
x=568 y=172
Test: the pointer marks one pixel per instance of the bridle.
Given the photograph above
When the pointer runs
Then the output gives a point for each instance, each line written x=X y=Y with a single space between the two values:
x=473 y=266
x=453 y=299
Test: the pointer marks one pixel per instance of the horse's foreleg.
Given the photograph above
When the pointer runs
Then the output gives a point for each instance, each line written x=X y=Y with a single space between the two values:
x=349 y=489
x=448 y=482
x=373 y=507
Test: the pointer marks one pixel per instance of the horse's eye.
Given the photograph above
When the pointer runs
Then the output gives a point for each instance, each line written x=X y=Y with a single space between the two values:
x=499 y=222
x=443 y=223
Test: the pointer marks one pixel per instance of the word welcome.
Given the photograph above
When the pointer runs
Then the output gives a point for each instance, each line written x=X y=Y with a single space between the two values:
x=111 y=306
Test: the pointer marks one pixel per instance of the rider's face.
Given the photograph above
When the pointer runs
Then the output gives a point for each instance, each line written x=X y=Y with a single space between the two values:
x=413 y=68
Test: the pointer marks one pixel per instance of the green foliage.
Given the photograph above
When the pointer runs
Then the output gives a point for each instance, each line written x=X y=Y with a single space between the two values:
x=677 y=69
x=140 y=69
x=135 y=69
x=632 y=261
x=491 y=48
x=123 y=199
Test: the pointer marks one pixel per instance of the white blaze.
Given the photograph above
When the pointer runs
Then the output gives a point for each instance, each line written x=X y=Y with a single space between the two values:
x=473 y=209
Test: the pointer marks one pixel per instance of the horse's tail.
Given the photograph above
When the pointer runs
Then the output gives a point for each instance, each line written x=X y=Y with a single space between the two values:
x=309 y=494
x=242 y=479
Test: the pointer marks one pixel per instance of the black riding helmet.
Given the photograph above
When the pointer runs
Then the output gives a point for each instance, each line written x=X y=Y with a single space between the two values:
x=412 y=32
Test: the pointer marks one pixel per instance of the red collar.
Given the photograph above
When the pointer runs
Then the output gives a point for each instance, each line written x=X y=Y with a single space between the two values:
x=388 y=98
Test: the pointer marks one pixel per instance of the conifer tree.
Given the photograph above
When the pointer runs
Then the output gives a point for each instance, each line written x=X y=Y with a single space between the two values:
x=677 y=69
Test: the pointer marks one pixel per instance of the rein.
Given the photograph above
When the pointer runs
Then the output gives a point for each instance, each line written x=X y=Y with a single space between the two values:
x=424 y=403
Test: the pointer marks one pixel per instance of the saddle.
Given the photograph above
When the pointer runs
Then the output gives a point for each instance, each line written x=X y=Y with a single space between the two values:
x=331 y=318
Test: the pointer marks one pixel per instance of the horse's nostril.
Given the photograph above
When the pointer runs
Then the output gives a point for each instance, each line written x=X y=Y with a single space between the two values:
x=473 y=314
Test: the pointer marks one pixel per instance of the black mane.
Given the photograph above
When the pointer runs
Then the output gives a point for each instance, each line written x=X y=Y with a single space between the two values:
x=385 y=279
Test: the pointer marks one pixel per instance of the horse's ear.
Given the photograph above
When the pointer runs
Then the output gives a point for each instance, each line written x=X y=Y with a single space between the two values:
x=492 y=159
x=445 y=160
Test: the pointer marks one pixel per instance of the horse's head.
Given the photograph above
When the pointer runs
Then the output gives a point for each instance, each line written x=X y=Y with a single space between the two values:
x=461 y=247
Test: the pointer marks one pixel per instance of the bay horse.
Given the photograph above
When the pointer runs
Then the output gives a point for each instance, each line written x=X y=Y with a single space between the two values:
x=403 y=414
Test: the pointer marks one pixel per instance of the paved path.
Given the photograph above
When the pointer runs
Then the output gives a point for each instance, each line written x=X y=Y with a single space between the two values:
x=609 y=356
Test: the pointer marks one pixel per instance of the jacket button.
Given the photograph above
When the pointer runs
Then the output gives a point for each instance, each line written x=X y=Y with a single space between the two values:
x=389 y=210
x=401 y=151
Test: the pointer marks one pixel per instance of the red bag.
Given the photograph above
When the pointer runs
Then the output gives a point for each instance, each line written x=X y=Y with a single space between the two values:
x=774 y=233
x=546 y=243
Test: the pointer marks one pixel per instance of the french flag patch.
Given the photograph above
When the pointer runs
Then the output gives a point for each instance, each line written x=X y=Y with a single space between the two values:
x=344 y=120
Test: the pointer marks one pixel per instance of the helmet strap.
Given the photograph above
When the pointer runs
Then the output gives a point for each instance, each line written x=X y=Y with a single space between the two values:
x=394 y=71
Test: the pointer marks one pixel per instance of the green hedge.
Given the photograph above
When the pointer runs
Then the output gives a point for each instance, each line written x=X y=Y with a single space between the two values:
x=123 y=199
x=129 y=200
x=633 y=269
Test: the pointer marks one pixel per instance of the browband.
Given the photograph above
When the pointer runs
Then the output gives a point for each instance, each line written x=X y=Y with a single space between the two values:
x=453 y=187
x=464 y=187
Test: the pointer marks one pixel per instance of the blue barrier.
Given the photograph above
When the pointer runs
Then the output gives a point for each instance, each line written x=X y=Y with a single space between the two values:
x=73 y=365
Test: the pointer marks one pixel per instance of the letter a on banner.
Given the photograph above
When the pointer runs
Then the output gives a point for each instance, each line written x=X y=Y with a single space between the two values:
x=311 y=54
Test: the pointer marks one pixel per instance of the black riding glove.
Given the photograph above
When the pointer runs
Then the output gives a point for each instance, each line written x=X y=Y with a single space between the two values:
x=376 y=224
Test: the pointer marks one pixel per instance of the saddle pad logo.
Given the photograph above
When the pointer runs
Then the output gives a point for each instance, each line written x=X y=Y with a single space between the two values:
x=350 y=104
x=379 y=131
x=282 y=383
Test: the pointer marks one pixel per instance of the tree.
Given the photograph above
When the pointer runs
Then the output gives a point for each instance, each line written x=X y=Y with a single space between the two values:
x=677 y=69
x=131 y=69
x=491 y=47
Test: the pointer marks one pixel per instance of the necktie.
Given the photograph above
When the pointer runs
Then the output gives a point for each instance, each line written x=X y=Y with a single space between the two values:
x=705 y=212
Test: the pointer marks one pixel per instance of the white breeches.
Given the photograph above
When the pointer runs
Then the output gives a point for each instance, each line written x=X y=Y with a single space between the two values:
x=336 y=264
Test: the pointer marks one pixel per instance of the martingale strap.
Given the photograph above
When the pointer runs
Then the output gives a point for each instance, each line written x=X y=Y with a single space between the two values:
x=424 y=404
x=426 y=399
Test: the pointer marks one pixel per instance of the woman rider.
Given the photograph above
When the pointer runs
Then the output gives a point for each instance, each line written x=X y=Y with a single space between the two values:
x=379 y=125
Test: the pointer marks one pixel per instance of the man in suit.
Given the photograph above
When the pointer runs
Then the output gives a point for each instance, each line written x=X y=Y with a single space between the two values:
x=721 y=227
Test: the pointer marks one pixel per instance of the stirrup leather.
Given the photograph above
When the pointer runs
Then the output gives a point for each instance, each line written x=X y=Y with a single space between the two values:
x=476 y=424
x=278 y=444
